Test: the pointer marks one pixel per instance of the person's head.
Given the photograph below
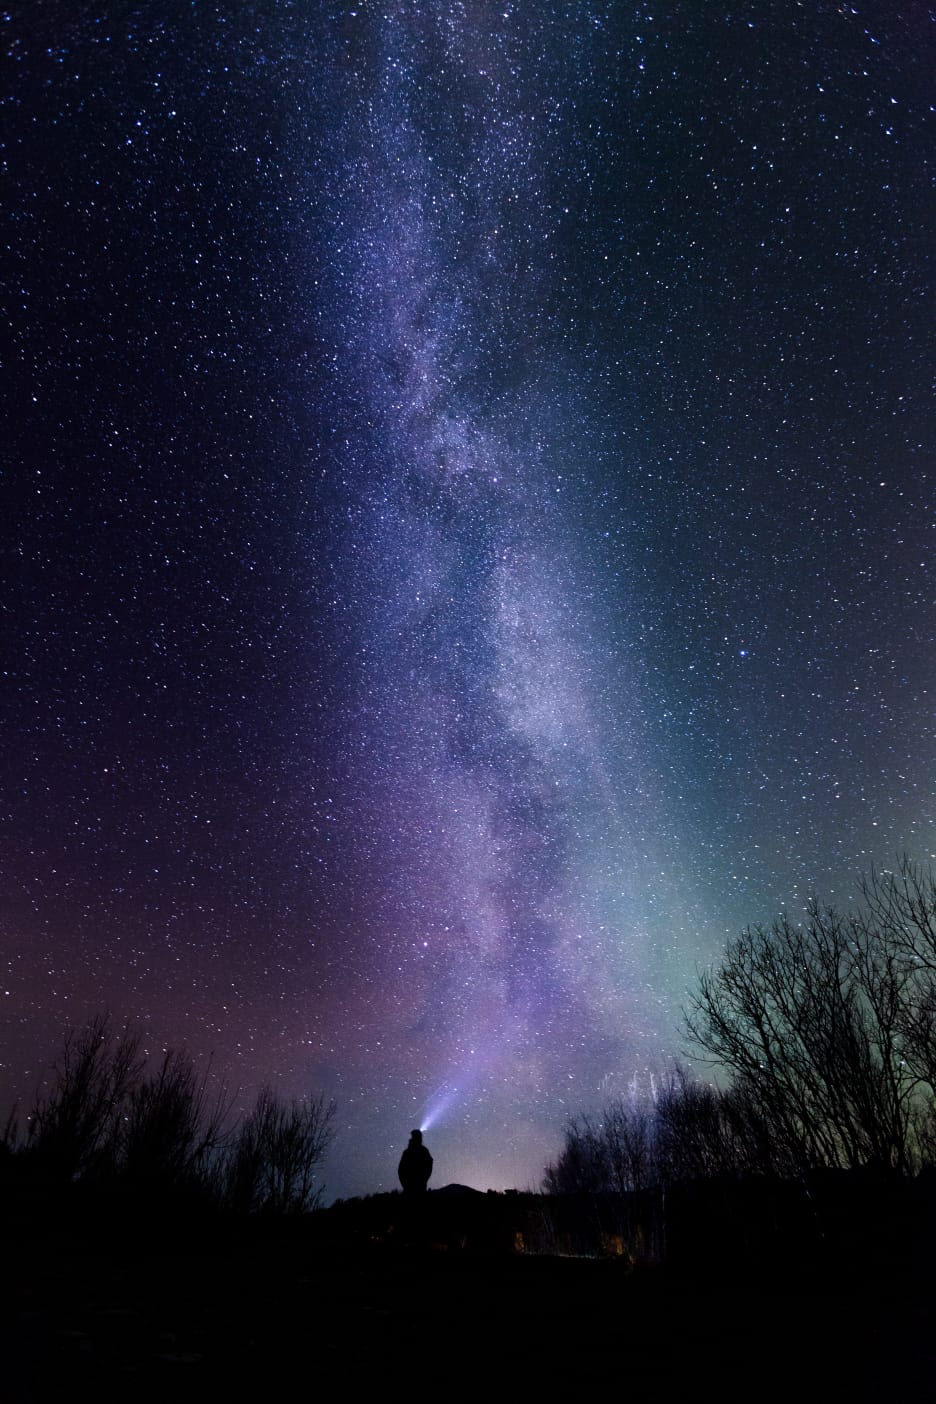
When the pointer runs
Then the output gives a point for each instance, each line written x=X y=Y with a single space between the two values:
x=416 y=1137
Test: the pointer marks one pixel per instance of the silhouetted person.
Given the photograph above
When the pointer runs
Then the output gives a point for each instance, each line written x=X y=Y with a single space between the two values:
x=415 y=1166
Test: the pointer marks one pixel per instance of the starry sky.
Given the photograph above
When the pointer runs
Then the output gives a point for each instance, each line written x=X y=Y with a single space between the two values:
x=467 y=532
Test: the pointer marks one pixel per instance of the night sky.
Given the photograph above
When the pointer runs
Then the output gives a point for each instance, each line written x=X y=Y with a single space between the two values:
x=468 y=510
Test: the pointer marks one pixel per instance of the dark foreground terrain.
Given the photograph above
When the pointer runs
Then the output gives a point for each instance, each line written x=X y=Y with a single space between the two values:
x=163 y=1311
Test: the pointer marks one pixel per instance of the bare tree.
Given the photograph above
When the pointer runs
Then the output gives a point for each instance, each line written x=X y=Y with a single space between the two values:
x=612 y=1153
x=582 y=1166
x=170 y=1127
x=274 y=1162
x=693 y=1137
x=824 y=1033
x=629 y=1135
x=813 y=1024
x=900 y=907
x=108 y=1115
x=74 y=1126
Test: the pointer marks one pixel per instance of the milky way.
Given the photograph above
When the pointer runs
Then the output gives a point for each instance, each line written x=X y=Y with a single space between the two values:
x=472 y=534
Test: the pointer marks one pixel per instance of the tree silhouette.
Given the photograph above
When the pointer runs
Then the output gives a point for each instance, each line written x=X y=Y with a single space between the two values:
x=170 y=1130
x=276 y=1155
x=109 y=1117
x=75 y=1125
x=822 y=1036
x=614 y=1152
x=828 y=1028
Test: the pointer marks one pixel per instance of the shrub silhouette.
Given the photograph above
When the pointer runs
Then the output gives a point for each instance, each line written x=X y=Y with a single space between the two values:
x=273 y=1163
x=612 y=1153
x=75 y=1126
x=111 y=1118
x=169 y=1131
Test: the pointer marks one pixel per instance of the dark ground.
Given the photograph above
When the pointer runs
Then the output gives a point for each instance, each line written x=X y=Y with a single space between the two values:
x=245 y=1311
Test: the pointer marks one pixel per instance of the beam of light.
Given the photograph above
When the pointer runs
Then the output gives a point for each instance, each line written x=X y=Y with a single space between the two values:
x=439 y=1105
